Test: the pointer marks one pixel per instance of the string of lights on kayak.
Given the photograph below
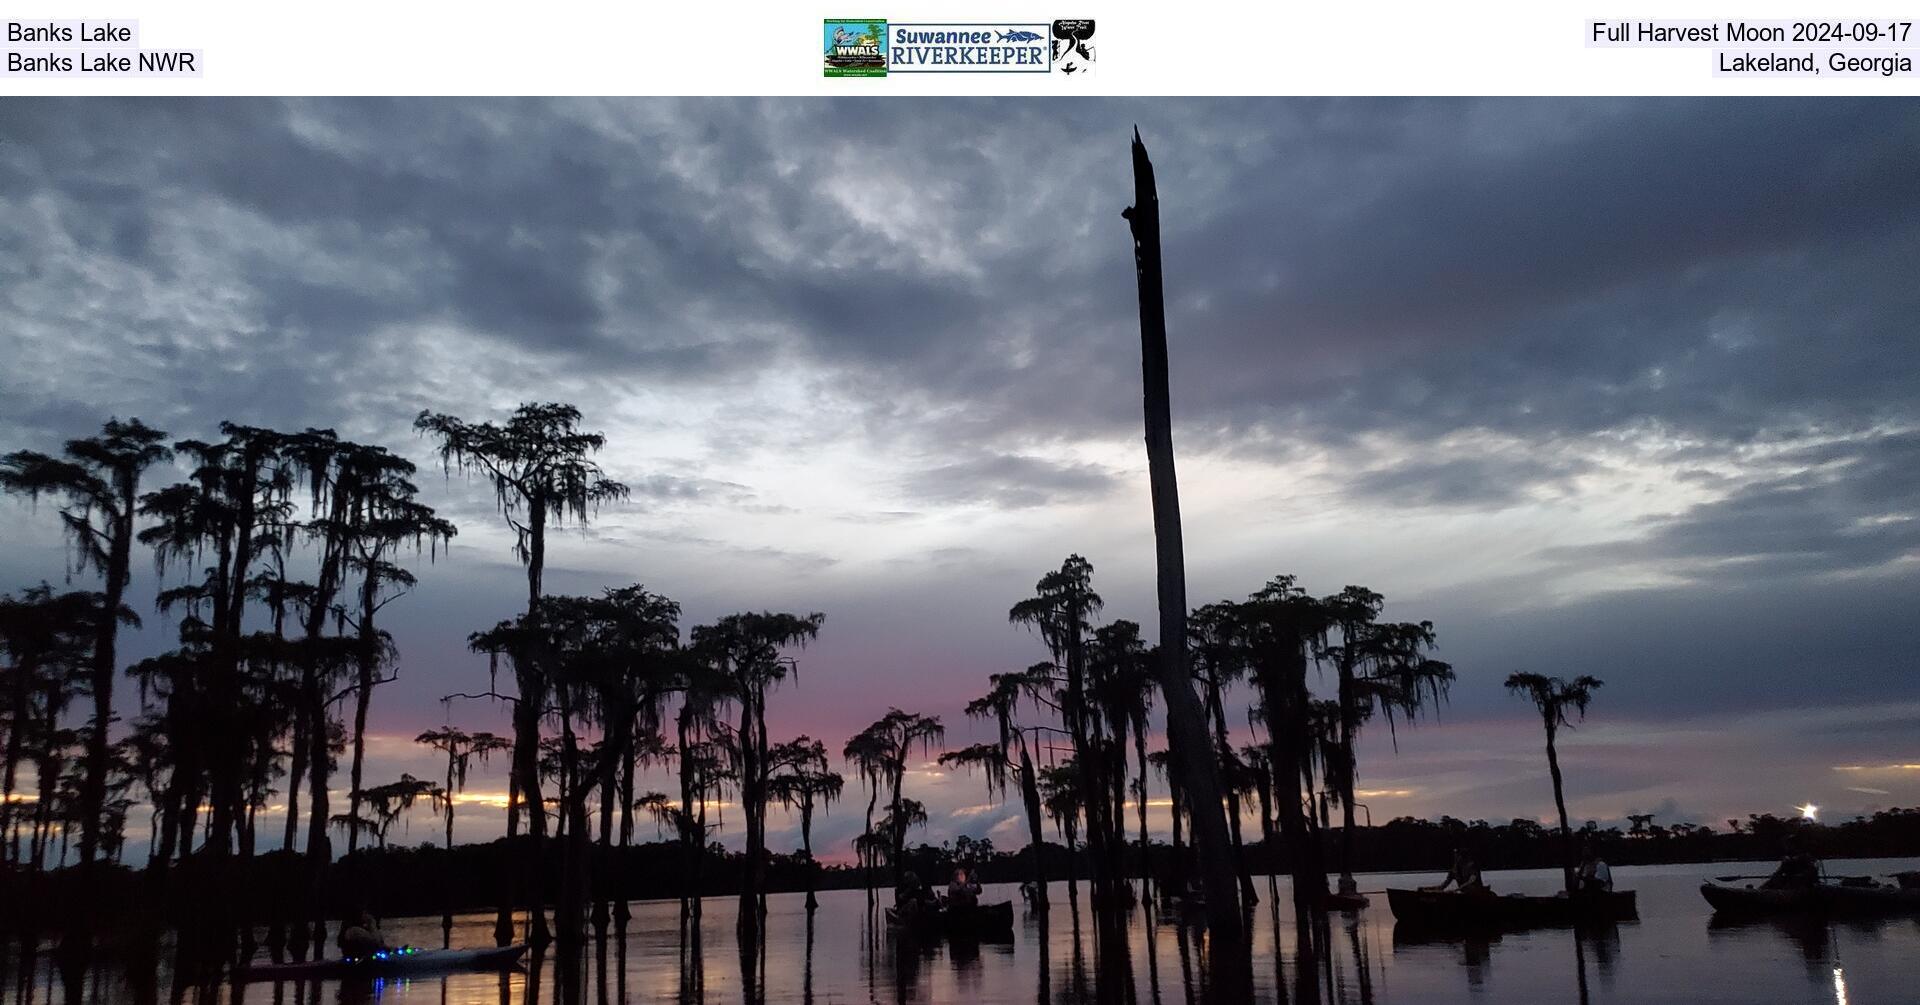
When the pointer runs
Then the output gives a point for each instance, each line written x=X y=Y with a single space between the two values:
x=385 y=954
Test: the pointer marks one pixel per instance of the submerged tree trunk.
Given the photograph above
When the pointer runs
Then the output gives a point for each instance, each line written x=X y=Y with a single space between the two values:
x=1225 y=750
x=867 y=849
x=1036 y=828
x=362 y=699
x=1560 y=803
x=569 y=914
x=319 y=847
x=527 y=712
x=621 y=913
x=1186 y=723
x=1287 y=733
x=1146 y=848
x=1349 y=763
x=753 y=807
x=296 y=775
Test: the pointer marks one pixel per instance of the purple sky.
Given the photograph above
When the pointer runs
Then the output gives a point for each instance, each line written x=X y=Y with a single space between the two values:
x=1610 y=387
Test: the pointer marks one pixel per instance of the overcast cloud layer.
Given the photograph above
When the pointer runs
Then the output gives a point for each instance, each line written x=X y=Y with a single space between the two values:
x=1622 y=388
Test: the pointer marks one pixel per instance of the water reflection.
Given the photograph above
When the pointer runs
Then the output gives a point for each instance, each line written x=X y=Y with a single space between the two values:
x=839 y=952
x=806 y=980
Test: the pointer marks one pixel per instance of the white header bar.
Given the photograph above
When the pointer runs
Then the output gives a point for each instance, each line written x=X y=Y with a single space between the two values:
x=1087 y=47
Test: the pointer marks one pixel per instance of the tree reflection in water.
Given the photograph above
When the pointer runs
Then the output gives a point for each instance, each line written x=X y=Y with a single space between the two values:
x=806 y=968
x=1362 y=964
x=1153 y=950
x=1064 y=959
x=1044 y=943
x=693 y=967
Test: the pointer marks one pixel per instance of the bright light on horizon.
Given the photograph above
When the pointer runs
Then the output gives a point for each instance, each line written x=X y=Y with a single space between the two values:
x=1809 y=812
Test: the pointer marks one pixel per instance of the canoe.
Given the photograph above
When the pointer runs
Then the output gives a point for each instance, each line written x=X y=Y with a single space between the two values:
x=405 y=961
x=1452 y=909
x=985 y=921
x=1851 y=896
x=1733 y=898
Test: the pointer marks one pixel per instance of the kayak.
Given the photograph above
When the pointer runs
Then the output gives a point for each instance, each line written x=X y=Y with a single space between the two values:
x=390 y=963
x=1453 y=909
x=985 y=921
x=1848 y=896
x=1749 y=899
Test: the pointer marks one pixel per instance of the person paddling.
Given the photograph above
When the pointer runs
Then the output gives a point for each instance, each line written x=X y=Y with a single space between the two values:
x=1798 y=870
x=361 y=938
x=963 y=894
x=1594 y=875
x=1463 y=875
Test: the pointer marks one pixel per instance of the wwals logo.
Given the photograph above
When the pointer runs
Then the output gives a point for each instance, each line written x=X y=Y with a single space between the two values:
x=856 y=48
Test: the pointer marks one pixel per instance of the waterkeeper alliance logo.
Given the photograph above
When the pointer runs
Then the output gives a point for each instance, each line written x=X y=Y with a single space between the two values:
x=856 y=47
x=995 y=47
x=1073 y=45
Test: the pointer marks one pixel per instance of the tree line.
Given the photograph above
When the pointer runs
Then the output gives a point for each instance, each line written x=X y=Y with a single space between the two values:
x=1073 y=731
x=281 y=552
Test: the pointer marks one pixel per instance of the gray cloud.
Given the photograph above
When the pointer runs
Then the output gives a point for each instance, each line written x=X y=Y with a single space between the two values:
x=1492 y=482
x=1010 y=481
x=1845 y=506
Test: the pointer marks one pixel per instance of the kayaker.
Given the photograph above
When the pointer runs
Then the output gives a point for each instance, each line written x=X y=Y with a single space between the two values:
x=913 y=890
x=1594 y=875
x=362 y=937
x=1797 y=871
x=1464 y=875
x=963 y=893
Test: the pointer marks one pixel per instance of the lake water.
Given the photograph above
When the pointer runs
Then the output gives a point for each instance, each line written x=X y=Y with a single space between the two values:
x=1675 y=952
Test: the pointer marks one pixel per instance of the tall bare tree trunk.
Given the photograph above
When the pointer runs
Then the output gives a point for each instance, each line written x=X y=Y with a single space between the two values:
x=621 y=912
x=1287 y=729
x=1036 y=834
x=1186 y=722
x=527 y=713
x=1560 y=803
x=1349 y=767
x=296 y=775
x=752 y=806
x=319 y=846
x=93 y=791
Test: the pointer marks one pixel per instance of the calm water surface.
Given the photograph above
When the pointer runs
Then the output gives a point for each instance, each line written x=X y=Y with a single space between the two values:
x=1676 y=952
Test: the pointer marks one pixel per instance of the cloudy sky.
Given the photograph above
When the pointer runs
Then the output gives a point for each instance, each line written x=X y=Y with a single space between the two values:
x=1621 y=388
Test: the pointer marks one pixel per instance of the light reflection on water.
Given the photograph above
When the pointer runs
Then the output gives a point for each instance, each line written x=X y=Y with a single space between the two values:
x=1676 y=952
